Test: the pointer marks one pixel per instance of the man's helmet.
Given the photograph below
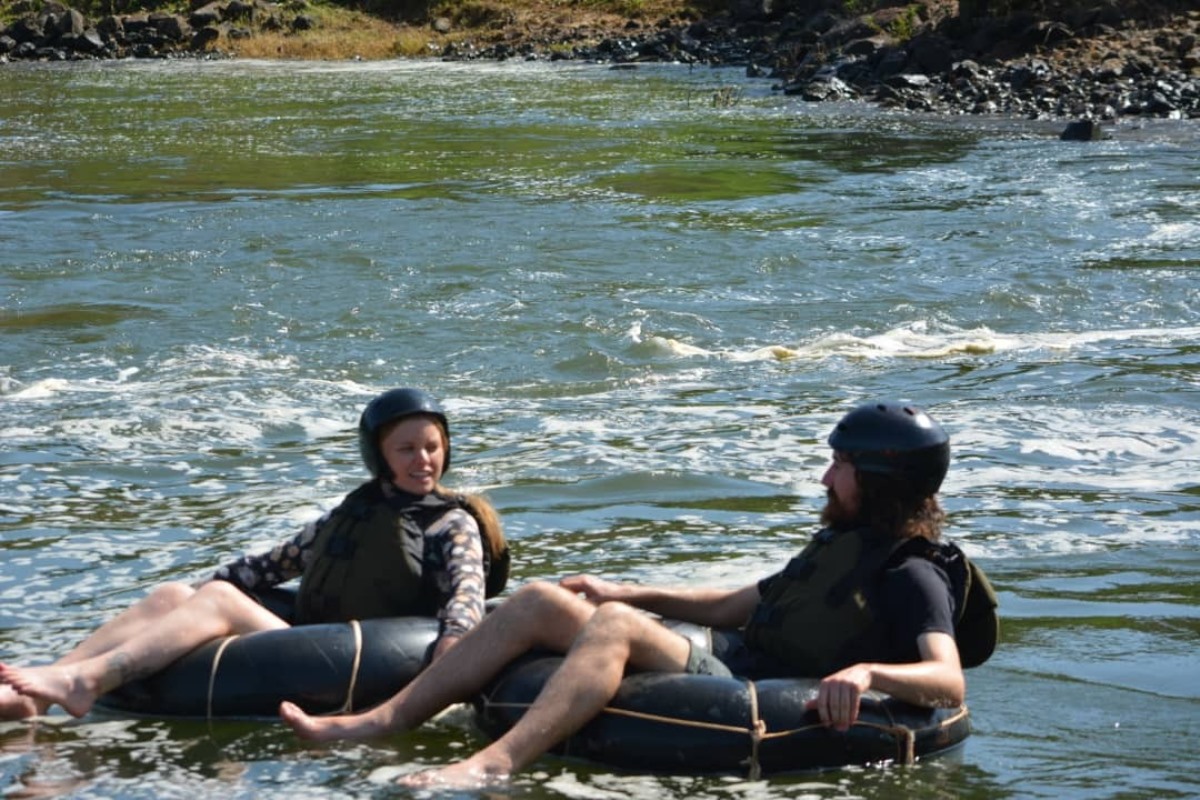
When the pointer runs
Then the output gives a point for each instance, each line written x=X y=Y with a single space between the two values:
x=392 y=405
x=898 y=440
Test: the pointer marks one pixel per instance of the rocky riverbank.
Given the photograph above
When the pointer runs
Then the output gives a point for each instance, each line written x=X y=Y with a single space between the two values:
x=1112 y=60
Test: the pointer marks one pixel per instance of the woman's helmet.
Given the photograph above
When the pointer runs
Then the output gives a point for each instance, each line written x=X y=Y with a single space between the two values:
x=392 y=405
x=900 y=441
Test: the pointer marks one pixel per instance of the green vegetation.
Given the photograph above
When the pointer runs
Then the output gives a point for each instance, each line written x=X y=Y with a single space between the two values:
x=905 y=26
x=856 y=8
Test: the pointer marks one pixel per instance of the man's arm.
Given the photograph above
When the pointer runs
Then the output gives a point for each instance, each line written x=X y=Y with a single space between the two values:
x=716 y=608
x=935 y=681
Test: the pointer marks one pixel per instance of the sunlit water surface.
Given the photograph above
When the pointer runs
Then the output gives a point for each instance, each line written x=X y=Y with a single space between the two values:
x=644 y=308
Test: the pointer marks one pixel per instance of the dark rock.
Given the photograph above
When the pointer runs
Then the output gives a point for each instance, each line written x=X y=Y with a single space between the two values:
x=27 y=29
x=848 y=31
x=111 y=27
x=1084 y=130
x=70 y=23
x=930 y=54
x=1023 y=76
x=822 y=23
x=204 y=37
x=170 y=26
x=89 y=41
x=205 y=15
x=239 y=10
x=889 y=61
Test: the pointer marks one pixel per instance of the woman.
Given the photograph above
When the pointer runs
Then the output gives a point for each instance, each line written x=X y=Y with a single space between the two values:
x=399 y=545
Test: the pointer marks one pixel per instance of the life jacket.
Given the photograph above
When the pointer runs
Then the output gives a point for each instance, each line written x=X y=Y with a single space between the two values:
x=817 y=611
x=368 y=558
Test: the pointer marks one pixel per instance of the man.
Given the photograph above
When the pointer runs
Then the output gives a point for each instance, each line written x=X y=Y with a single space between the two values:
x=872 y=591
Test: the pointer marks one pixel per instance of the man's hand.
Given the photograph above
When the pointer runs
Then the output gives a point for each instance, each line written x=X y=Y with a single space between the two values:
x=839 y=694
x=597 y=590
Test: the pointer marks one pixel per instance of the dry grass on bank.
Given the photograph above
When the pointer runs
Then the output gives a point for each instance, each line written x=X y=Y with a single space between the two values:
x=341 y=34
x=338 y=35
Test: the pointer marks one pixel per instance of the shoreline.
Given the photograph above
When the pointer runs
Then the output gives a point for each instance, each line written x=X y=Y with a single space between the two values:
x=1137 y=60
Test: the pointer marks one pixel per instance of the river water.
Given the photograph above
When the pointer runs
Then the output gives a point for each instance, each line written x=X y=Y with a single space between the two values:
x=645 y=296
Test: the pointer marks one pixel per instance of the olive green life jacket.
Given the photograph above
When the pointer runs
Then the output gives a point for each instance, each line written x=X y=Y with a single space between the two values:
x=368 y=558
x=817 y=609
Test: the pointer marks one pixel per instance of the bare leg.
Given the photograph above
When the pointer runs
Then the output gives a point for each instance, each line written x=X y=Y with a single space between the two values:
x=216 y=609
x=587 y=680
x=539 y=615
x=160 y=602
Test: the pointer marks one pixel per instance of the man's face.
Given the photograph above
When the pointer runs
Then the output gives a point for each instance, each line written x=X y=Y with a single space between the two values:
x=842 y=495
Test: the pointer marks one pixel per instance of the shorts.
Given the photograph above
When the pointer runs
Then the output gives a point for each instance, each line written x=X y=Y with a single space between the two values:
x=702 y=662
x=735 y=657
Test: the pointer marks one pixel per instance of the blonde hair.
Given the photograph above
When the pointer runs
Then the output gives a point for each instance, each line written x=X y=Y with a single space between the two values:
x=495 y=546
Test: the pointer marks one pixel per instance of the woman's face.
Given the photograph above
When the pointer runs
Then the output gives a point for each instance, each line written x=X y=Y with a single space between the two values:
x=415 y=451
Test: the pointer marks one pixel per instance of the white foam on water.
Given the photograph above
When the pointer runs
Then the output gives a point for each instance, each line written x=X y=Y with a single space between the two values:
x=1174 y=233
x=918 y=341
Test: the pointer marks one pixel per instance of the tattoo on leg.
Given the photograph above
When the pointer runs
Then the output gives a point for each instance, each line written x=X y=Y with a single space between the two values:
x=126 y=670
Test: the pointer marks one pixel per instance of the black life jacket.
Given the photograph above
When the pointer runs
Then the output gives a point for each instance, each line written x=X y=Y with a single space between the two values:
x=368 y=558
x=818 y=609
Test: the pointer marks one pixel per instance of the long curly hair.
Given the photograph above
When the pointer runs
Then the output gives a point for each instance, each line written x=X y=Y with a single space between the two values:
x=889 y=506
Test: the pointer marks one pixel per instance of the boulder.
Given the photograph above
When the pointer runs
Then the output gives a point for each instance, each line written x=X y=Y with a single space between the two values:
x=1083 y=130
x=204 y=37
x=27 y=29
x=205 y=15
x=88 y=41
x=170 y=26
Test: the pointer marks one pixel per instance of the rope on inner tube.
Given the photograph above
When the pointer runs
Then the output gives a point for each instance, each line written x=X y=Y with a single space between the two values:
x=758 y=732
x=212 y=674
x=906 y=738
x=348 y=706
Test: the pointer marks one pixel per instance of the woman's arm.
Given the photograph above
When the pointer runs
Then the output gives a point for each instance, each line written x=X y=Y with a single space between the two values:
x=279 y=565
x=459 y=575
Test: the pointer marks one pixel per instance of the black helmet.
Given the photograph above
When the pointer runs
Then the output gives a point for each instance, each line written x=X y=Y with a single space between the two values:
x=387 y=407
x=898 y=440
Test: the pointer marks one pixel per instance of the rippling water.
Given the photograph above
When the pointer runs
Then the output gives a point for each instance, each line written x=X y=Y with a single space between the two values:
x=644 y=306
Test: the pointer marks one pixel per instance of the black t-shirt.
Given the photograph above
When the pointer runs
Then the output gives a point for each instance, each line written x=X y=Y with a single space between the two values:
x=911 y=598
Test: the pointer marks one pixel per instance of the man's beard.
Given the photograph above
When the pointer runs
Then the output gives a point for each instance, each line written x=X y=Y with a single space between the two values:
x=836 y=515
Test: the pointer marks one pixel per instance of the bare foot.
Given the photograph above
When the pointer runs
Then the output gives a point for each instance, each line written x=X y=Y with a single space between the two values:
x=14 y=705
x=463 y=775
x=324 y=729
x=51 y=684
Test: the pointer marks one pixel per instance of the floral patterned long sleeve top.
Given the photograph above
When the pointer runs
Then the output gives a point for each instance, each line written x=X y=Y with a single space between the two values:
x=453 y=557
